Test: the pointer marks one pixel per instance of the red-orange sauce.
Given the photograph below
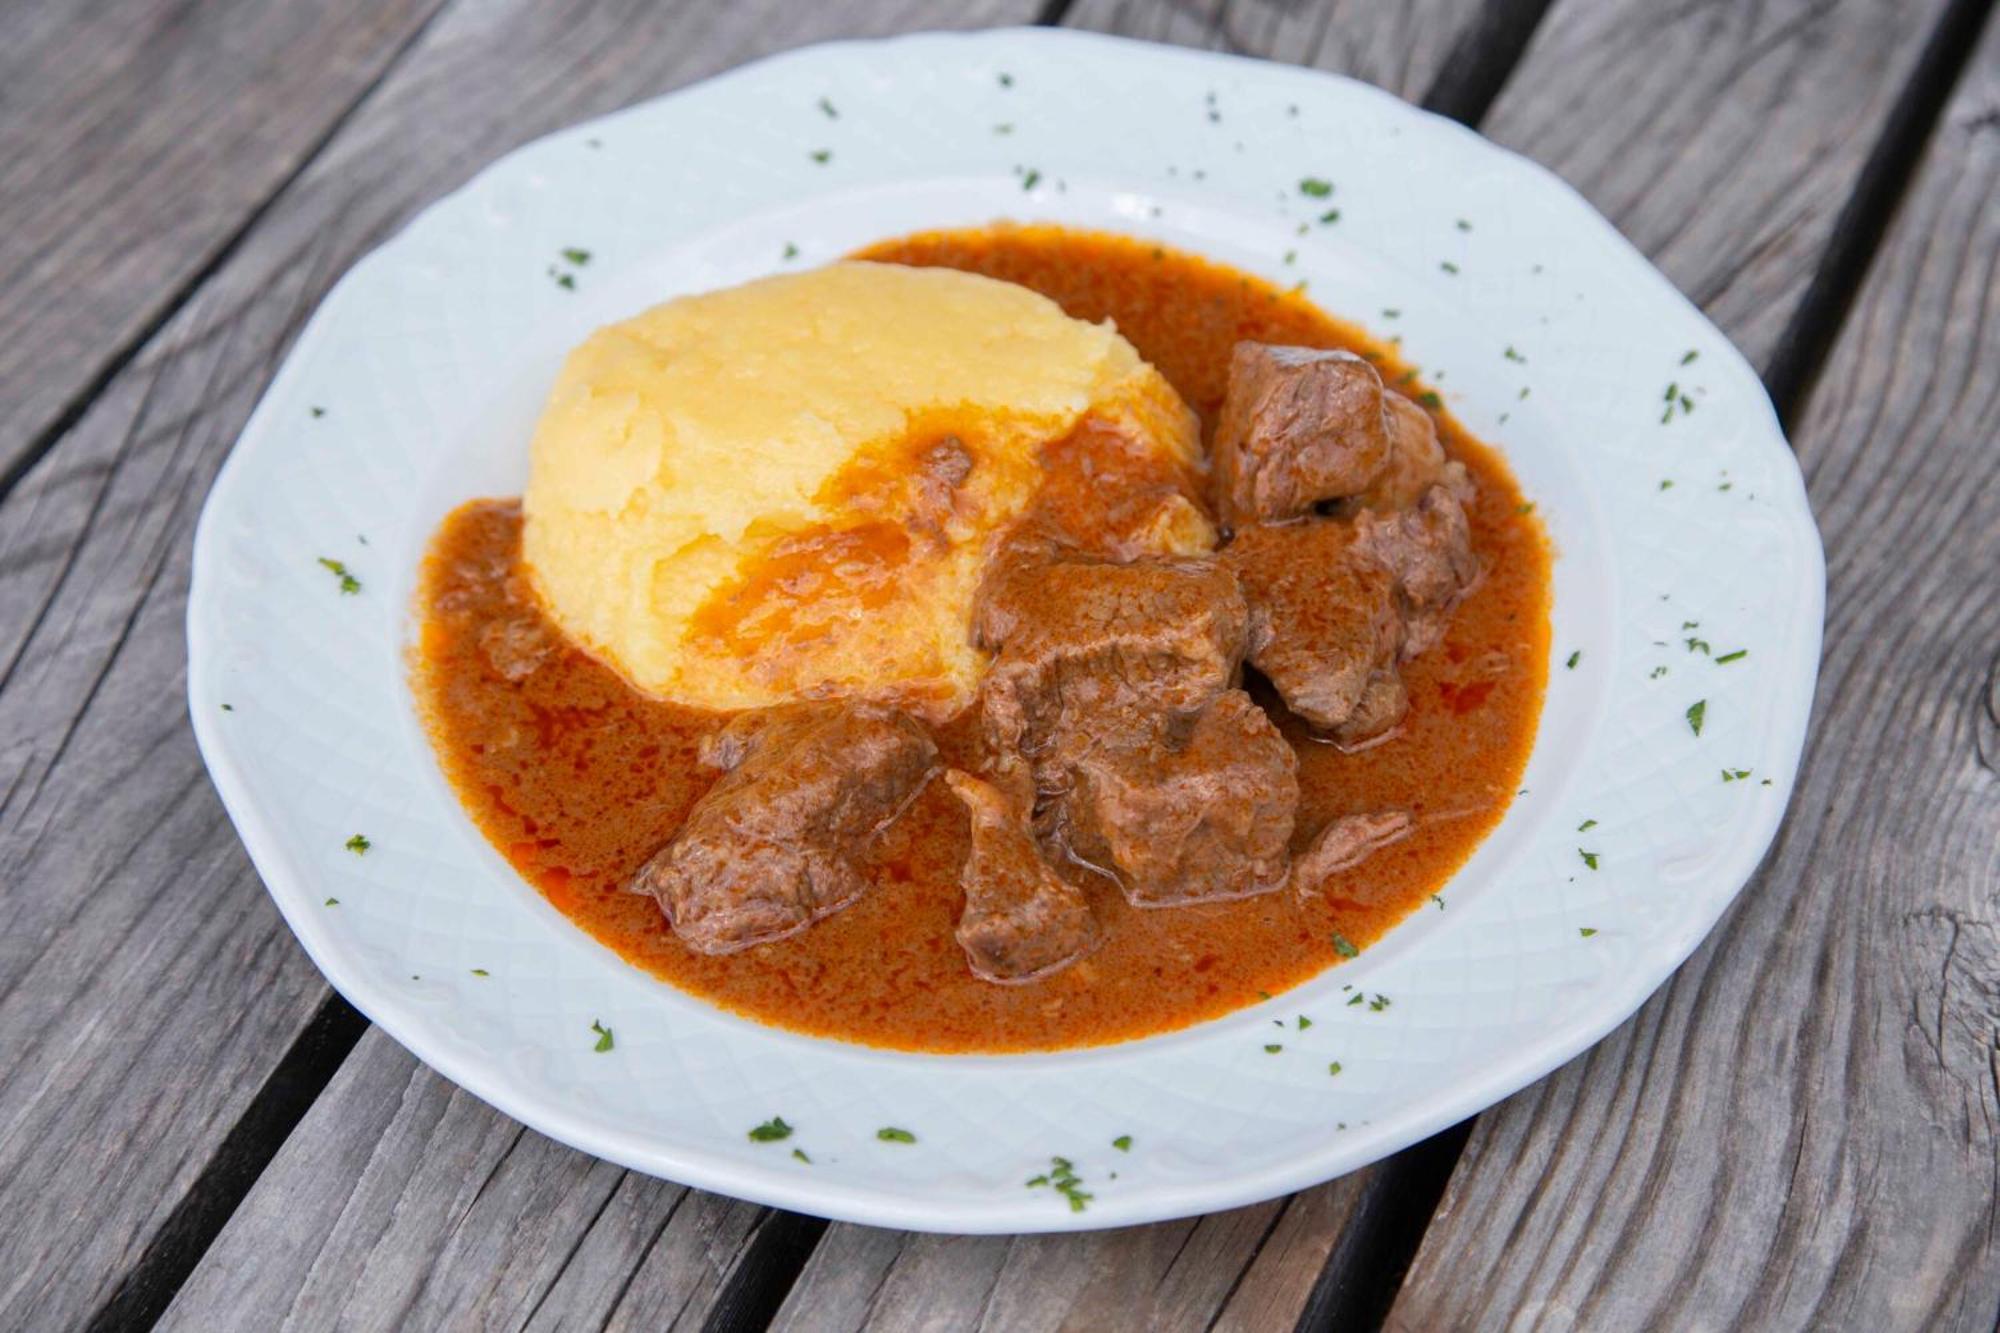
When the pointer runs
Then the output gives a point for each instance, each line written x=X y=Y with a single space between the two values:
x=577 y=778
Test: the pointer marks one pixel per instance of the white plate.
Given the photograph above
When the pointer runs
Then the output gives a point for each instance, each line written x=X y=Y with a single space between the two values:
x=430 y=359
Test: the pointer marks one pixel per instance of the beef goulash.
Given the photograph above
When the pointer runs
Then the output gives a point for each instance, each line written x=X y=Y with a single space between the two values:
x=1023 y=638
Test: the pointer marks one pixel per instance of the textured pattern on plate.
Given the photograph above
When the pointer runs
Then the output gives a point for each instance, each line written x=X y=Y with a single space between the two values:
x=1681 y=524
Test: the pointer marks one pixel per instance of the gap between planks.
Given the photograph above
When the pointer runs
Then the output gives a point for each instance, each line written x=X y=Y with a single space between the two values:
x=1459 y=89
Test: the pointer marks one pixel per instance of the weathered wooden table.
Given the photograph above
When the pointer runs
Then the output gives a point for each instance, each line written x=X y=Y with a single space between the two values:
x=1798 y=1131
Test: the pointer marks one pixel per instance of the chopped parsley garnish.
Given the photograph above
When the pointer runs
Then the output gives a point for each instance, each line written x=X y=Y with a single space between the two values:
x=1312 y=187
x=603 y=1036
x=1272 y=1048
x=1344 y=947
x=349 y=585
x=1430 y=399
x=1439 y=900
x=1586 y=931
x=317 y=412
x=1029 y=181
x=358 y=844
x=1331 y=216
x=566 y=281
x=1063 y=1179
x=826 y=105
x=229 y=708
x=1463 y=225
x=1378 y=1004
x=1736 y=656
x=333 y=902
x=1390 y=312
x=821 y=155
x=1666 y=484
x=800 y=1154
x=1004 y=127
x=1513 y=355
x=1589 y=858
x=1448 y=266
x=1675 y=399
x=1123 y=1143
x=1658 y=672
x=1304 y=1022
x=771 y=1130
x=791 y=251
x=1574 y=658
x=1735 y=774
x=1291 y=256
x=576 y=256
x=1697 y=711
x=1006 y=80
x=1697 y=645
x=1358 y=998
x=481 y=972
x=1688 y=360
x=1586 y=826
x=890 y=1134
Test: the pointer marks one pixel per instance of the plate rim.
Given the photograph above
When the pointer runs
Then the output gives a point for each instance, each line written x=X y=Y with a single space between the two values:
x=283 y=877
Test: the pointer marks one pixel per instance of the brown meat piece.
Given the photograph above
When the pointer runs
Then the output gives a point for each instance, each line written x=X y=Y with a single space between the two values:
x=772 y=847
x=1416 y=461
x=1083 y=642
x=1323 y=615
x=1429 y=550
x=1298 y=426
x=1021 y=921
x=1345 y=843
x=1336 y=605
x=1189 y=810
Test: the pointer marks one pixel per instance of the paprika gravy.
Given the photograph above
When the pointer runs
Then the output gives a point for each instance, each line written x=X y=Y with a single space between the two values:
x=578 y=779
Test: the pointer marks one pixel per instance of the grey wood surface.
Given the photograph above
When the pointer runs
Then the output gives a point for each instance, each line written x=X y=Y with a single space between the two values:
x=407 y=1203
x=135 y=141
x=1799 y=1130
x=1232 y=1261
x=148 y=991
x=148 y=988
x=1820 y=83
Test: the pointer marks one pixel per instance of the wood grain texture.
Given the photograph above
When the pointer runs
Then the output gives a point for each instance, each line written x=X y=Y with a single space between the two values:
x=1722 y=138
x=1254 y=1267
x=419 y=1206
x=1799 y=1131
x=136 y=140
x=147 y=985
x=1248 y=1269
x=1818 y=64
x=1400 y=47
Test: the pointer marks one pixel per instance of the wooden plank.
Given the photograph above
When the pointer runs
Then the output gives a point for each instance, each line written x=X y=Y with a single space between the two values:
x=136 y=141
x=1722 y=139
x=1799 y=1131
x=1809 y=68
x=1257 y=1264
x=435 y=1211
x=147 y=986
x=1400 y=47
x=1249 y=1269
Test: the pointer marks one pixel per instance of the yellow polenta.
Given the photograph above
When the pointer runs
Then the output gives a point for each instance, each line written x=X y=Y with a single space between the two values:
x=789 y=488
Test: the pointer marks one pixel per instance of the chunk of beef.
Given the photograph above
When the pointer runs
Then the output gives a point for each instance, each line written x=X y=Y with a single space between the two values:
x=772 y=847
x=1345 y=843
x=1323 y=616
x=1083 y=643
x=1298 y=426
x=1428 y=548
x=1337 y=604
x=1021 y=921
x=1188 y=809
x=1416 y=462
